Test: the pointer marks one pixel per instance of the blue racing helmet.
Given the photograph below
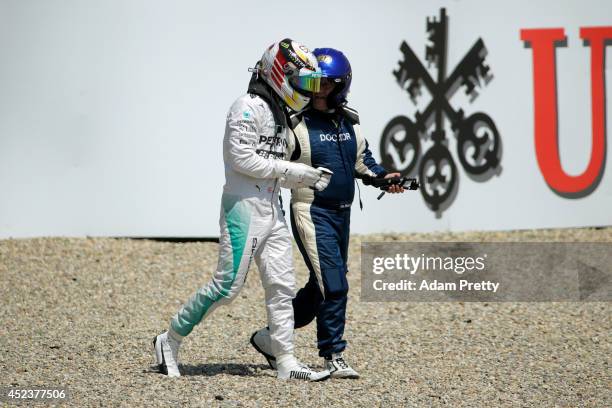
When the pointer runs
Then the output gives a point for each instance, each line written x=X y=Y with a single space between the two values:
x=335 y=66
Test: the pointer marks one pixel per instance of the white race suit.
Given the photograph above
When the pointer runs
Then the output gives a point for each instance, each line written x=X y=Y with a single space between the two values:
x=252 y=224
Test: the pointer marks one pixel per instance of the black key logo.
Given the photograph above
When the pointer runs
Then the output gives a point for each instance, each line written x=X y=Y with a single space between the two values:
x=477 y=139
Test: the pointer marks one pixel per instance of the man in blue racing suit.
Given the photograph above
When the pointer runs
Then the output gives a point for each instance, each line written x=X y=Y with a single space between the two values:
x=328 y=135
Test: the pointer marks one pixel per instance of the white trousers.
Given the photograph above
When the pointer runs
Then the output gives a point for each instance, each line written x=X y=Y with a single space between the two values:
x=251 y=227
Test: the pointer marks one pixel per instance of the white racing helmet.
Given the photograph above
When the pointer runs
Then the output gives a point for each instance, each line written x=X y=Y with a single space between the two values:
x=292 y=72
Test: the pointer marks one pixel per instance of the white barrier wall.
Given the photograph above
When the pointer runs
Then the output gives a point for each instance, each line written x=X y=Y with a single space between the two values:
x=112 y=113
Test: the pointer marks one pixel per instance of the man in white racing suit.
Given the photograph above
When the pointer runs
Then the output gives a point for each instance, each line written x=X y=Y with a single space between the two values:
x=251 y=221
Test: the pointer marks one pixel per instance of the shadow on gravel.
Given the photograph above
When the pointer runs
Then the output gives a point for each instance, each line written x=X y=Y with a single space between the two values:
x=212 y=369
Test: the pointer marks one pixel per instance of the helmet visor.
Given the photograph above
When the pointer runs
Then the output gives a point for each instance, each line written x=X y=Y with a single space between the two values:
x=309 y=81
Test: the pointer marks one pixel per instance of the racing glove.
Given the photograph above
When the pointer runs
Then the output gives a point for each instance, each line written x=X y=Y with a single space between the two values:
x=297 y=174
x=324 y=180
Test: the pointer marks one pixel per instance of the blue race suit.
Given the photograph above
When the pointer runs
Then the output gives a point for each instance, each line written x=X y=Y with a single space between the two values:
x=320 y=220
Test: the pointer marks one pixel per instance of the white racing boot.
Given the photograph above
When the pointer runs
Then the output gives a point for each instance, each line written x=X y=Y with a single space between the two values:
x=339 y=368
x=166 y=353
x=260 y=340
x=290 y=368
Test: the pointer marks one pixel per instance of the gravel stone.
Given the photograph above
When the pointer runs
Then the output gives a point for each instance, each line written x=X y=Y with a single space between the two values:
x=81 y=313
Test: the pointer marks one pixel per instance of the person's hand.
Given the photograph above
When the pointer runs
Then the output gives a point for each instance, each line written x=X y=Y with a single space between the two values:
x=323 y=182
x=394 y=188
x=298 y=173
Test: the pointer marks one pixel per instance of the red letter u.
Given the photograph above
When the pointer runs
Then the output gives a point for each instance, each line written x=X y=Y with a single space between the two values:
x=543 y=43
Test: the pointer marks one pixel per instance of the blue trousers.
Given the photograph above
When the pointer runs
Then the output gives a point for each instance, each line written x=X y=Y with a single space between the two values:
x=322 y=236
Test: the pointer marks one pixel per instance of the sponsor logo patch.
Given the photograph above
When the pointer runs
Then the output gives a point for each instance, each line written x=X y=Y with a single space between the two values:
x=329 y=137
x=324 y=58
